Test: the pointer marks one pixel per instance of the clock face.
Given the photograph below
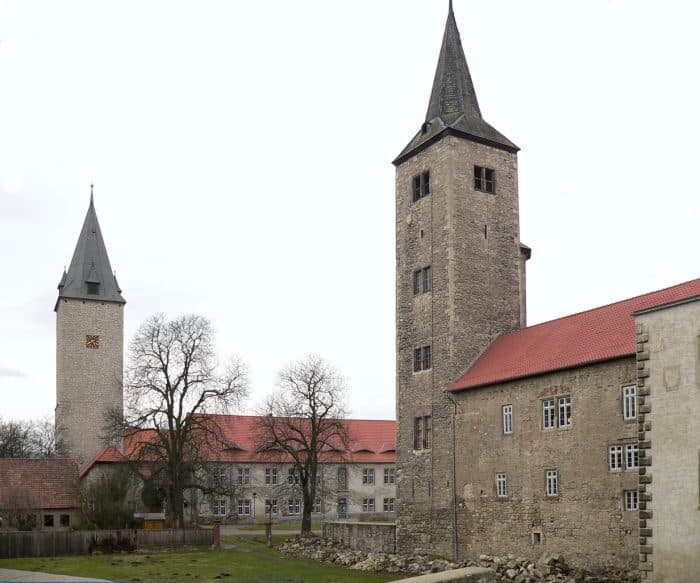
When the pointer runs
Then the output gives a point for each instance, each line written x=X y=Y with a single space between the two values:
x=92 y=341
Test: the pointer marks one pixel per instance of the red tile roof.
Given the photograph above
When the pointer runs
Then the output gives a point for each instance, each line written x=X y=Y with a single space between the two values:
x=596 y=335
x=371 y=441
x=106 y=455
x=38 y=483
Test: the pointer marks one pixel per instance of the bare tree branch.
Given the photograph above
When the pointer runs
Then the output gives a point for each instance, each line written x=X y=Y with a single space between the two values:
x=172 y=384
x=303 y=422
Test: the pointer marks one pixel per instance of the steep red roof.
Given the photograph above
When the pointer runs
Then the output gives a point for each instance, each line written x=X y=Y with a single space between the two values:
x=108 y=454
x=38 y=483
x=371 y=441
x=593 y=336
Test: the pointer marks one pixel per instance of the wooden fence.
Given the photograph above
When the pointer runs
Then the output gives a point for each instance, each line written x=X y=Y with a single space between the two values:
x=82 y=542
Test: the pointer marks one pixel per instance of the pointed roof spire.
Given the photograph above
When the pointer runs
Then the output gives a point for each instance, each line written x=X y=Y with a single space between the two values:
x=453 y=107
x=90 y=275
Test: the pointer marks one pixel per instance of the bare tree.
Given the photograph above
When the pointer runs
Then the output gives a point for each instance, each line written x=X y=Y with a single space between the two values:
x=302 y=423
x=172 y=384
x=16 y=439
x=27 y=439
x=44 y=437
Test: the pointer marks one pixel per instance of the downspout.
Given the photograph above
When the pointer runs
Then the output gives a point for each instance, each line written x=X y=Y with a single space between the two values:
x=455 y=541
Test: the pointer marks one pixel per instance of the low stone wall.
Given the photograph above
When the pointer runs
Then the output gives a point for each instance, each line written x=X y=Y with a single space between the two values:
x=466 y=575
x=377 y=537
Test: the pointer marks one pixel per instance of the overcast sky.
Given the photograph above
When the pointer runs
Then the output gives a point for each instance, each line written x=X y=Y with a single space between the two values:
x=241 y=155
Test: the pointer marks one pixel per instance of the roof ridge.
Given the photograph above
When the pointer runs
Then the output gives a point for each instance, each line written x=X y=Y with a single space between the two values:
x=602 y=306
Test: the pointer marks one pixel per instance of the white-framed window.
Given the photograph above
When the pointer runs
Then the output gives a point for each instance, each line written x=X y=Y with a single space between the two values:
x=218 y=507
x=548 y=419
x=422 y=280
x=615 y=458
x=368 y=505
x=368 y=476
x=294 y=506
x=270 y=476
x=501 y=485
x=552 y=483
x=243 y=476
x=422 y=358
x=244 y=507
x=389 y=504
x=507 y=419
x=564 y=411
x=484 y=179
x=271 y=504
x=389 y=475
x=421 y=185
x=629 y=402
x=631 y=500
x=292 y=476
x=318 y=506
x=221 y=474
x=422 y=432
x=632 y=456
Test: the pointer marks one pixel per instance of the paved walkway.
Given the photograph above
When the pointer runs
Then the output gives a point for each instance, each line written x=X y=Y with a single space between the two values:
x=16 y=575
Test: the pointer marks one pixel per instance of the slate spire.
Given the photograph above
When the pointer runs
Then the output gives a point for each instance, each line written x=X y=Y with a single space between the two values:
x=90 y=275
x=453 y=107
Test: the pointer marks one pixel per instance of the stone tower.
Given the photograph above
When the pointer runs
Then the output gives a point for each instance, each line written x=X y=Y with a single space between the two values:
x=89 y=345
x=460 y=278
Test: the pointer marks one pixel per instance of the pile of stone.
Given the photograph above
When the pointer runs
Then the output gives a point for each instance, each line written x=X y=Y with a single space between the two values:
x=551 y=568
x=328 y=551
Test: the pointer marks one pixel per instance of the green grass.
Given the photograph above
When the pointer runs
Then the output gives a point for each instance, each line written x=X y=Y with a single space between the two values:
x=249 y=561
x=315 y=525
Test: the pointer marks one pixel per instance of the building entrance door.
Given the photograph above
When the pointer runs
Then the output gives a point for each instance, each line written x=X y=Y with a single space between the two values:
x=342 y=508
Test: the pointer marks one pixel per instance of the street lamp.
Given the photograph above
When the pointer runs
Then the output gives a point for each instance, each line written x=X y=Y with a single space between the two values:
x=255 y=494
x=268 y=525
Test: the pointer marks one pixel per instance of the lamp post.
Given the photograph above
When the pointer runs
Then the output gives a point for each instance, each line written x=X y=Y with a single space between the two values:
x=268 y=525
x=255 y=494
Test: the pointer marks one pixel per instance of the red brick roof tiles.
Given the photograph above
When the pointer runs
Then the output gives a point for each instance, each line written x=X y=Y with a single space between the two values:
x=39 y=483
x=595 y=335
x=371 y=441
x=367 y=440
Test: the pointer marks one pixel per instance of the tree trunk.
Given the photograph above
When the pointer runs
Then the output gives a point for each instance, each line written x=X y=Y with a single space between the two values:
x=306 y=515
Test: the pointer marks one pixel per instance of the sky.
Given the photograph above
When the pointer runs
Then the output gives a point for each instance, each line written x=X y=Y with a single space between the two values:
x=241 y=156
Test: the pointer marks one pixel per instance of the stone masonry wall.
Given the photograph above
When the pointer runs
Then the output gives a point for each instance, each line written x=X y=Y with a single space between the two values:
x=669 y=488
x=375 y=537
x=585 y=522
x=354 y=492
x=470 y=239
x=88 y=380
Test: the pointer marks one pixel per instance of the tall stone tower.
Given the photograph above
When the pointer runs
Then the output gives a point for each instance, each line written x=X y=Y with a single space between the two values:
x=89 y=345
x=460 y=276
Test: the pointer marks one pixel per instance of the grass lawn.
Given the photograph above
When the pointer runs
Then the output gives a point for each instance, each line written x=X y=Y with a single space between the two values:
x=315 y=525
x=248 y=561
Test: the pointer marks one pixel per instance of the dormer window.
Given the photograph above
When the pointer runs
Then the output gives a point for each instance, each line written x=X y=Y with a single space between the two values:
x=93 y=288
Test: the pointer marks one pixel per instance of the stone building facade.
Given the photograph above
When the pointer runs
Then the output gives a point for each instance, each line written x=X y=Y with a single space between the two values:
x=668 y=357
x=89 y=345
x=510 y=439
x=458 y=282
x=358 y=482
